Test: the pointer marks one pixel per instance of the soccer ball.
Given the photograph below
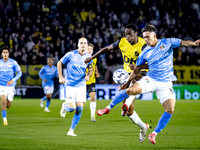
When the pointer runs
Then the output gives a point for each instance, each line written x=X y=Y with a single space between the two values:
x=120 y=76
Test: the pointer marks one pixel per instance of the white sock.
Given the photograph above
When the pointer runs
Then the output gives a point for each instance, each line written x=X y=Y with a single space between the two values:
x=129 y=100
x=4 y=119
x=71 y=130
x=136 y=120
x=109 y=107
x=154 y=132
x=93 y=108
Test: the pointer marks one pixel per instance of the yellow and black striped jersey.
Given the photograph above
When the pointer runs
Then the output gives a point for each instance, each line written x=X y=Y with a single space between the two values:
x=130 y=52
x=93 y=77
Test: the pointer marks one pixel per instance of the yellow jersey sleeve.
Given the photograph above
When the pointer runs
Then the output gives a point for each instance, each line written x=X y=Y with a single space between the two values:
x=93 y=77
x=130 y=52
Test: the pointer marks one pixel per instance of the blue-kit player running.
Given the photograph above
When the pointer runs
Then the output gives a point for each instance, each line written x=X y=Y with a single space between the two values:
x=158 y=53
x=8 y=78
x=47 y=74
x=75 y=80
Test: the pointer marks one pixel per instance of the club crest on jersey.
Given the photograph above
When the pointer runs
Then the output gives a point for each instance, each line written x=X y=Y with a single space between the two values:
x=162 y=47
x=69 y=98
x=147 y=80
x=9 y=65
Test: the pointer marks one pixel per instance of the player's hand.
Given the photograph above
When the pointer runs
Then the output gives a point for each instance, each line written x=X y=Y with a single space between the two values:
x=87 y=78
x=45 y=80
x=132 y=66
x=87 y=60
x=97 y=75
x=10 y=82
x=197 y=42
x=61 y=80
x=124 y=86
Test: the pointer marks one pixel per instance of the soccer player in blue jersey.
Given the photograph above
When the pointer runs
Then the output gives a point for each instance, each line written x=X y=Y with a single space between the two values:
x=47 y=74
x=75 y=82
x=158 y=53
x=8 y=78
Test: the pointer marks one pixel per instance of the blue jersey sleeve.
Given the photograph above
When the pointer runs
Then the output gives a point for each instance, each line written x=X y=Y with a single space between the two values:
x=175 y=42
x=66 y=58
x=140 y=60
x=16 y=67
x=41 y=73
x=18 y=70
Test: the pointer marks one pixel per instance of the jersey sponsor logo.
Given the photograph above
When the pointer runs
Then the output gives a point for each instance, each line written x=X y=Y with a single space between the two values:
x=162 y=47
x=129 y=60
x=136 y=54
x=6 y=70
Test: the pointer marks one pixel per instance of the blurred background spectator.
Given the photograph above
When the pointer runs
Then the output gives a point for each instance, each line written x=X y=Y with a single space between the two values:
x=35 y=30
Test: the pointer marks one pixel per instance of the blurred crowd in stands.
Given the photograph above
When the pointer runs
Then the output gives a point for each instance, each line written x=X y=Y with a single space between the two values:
x=35 y=30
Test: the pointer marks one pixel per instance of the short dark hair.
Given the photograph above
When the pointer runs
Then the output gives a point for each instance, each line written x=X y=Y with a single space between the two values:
x=91 y=45
x=4 y=48
x=50 y=57
x=132 y=26
x=150 y=28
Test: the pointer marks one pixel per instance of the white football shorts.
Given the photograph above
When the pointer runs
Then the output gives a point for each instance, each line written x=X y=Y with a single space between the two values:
x=74 y=94
x=48 y=89
x=9 y=91
x=163 y=90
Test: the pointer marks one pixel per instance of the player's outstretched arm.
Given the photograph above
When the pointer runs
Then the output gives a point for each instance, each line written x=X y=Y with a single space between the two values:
x=60 y=76
x=190 y=43
x=134 y=73
x=100 y=52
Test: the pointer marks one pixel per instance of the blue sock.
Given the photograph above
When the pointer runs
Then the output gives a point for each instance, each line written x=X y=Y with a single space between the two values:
x=118 y=98
x=69 y=109
x=44 y=98
x=163 y=121
x=48 y=103
x=3 y=113
x=77 y=117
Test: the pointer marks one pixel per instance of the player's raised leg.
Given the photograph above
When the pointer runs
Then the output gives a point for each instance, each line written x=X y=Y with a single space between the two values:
x=164 y=119
x=120 y=96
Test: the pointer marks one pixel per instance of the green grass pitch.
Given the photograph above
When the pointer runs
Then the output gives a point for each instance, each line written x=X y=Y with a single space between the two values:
x=30 y=128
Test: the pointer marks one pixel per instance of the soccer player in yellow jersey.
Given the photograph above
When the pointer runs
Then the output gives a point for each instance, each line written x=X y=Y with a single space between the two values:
x=131 y=47
x=91 y=84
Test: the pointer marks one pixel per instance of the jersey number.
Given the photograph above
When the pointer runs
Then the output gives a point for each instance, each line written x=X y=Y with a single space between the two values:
x=128 y=60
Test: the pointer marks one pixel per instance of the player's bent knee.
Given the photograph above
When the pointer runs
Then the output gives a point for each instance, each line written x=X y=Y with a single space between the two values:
x=79 y=110
x=48 y=96
x=170 y=110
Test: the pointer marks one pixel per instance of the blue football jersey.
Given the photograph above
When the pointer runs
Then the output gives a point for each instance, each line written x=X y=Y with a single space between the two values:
x=8 y=71
x=76 y=68
x=160 y=59
x=48 y=73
